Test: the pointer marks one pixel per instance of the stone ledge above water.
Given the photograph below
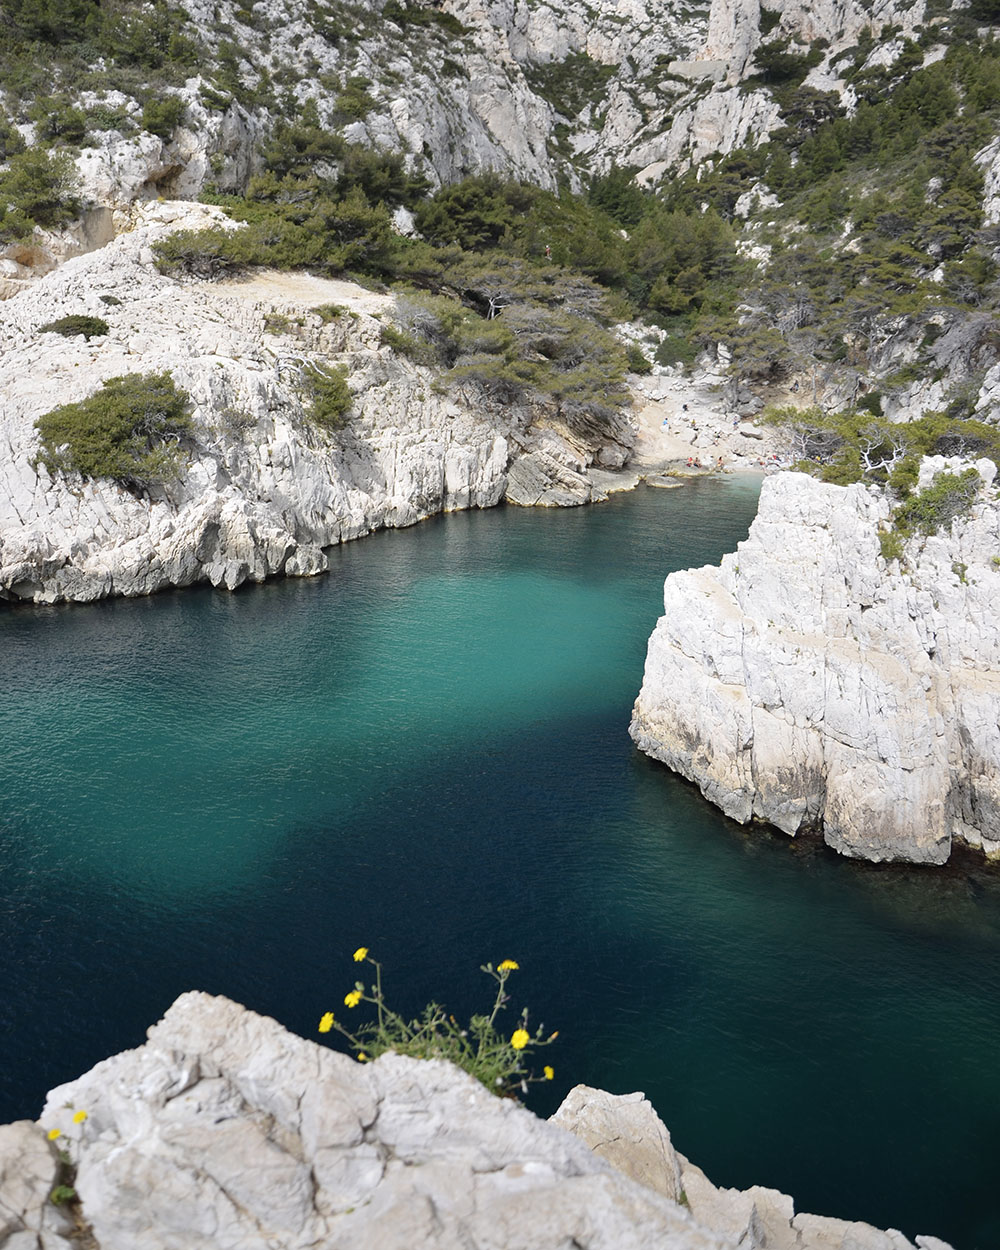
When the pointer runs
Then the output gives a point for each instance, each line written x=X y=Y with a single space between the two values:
x=809 y=683
x=224 y=1130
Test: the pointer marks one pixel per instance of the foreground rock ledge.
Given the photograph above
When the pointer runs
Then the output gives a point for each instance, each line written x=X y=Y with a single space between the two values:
x=225 y=1132
x=809 y=683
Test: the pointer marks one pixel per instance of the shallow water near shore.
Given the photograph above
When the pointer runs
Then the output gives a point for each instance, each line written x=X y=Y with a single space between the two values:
x=425 y=752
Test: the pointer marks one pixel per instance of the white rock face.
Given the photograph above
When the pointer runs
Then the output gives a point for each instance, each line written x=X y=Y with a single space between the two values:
x=264 y=490
x=808 y=683
x=225 y=1132
x=734 y=25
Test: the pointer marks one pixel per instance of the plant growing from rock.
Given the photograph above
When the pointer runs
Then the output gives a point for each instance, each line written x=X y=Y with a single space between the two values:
x=36 y=189
x=129 y=431
x=64 y=1190
x=480 y=1048
x=74 y=324
x=328 y=397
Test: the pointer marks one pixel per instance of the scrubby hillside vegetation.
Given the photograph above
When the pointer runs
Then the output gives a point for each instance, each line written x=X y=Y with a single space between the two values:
x=837 y=253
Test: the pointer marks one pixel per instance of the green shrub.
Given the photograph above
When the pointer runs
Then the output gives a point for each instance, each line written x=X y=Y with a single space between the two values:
x=161 y=115
x=75 y=323
x=208 y=254
x=571 y=84
x=129 y=431
x=638 y=361
x=107 y=117
x=412 y=346
x=59 y=121
x=37 y=188
x=354 y=102
x=890 y=544
x=950 y=495
x=328 y=396
x=329 y=312
x=51 y=21
x=10 y=138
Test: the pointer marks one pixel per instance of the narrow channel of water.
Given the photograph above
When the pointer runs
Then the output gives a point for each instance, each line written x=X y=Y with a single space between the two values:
x=426 y=753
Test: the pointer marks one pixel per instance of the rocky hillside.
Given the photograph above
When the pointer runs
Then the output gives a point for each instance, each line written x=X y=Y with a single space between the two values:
x=812 y=683
x=801 y=199
x=224 y=1130
x=262 y=481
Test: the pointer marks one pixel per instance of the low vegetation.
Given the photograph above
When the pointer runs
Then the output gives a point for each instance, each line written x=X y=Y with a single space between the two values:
x=857 y=445
x=496 y=1059
x=76 y=324
x=130 y=431
x=328 y=397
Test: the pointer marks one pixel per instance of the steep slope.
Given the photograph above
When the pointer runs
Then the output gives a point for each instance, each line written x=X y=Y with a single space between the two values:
x=810 y=683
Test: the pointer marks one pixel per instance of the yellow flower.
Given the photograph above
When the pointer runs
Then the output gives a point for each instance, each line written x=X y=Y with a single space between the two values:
x=362 y=1057
x=549 y=1072
x=326 y=1023
x=80 y=1116
x=353 y=998
x=360 y=954
x=520 y=1039
x=508 y=965
x=54 y=1133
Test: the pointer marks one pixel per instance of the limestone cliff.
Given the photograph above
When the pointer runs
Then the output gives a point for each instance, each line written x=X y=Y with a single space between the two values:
x=541 y=91
x=263 y=490
x=809 y=683
x=225 y=1131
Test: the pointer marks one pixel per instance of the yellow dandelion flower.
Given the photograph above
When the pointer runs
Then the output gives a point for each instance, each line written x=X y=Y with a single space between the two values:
x=80 y=1116
x=54 y=1133
x=326 y=1023
x=360 y=954
x=362 y=1057
x=549 y=1072
x=520 y=1039
x=353 y=998
x=508 y=965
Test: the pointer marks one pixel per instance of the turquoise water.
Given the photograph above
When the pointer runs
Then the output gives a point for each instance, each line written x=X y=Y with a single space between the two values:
x=426 y=753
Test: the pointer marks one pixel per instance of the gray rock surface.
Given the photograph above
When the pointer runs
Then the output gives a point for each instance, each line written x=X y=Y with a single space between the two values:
x=225 y=1132
x=263 y=489
x=809 y=683
x=625 y=1130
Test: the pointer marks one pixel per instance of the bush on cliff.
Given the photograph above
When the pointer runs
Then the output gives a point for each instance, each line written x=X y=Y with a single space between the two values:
x=129 y=431
x=328 y=396
x=36 y=189
x=527 y=348
x=859 y=445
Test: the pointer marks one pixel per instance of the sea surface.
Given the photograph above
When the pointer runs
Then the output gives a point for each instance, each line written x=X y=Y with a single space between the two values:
x=425 y=753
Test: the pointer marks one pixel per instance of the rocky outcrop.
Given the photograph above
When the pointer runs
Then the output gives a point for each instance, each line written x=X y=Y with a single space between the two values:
x=542 y=90
x=809 y=683
x=225 y=1132
x=734 y=27
x=263 y=489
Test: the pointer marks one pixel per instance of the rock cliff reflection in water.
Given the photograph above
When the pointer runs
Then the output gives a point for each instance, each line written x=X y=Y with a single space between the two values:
x=426 y=752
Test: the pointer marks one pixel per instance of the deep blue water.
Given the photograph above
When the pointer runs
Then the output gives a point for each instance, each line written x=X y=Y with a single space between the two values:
x=426 y=753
